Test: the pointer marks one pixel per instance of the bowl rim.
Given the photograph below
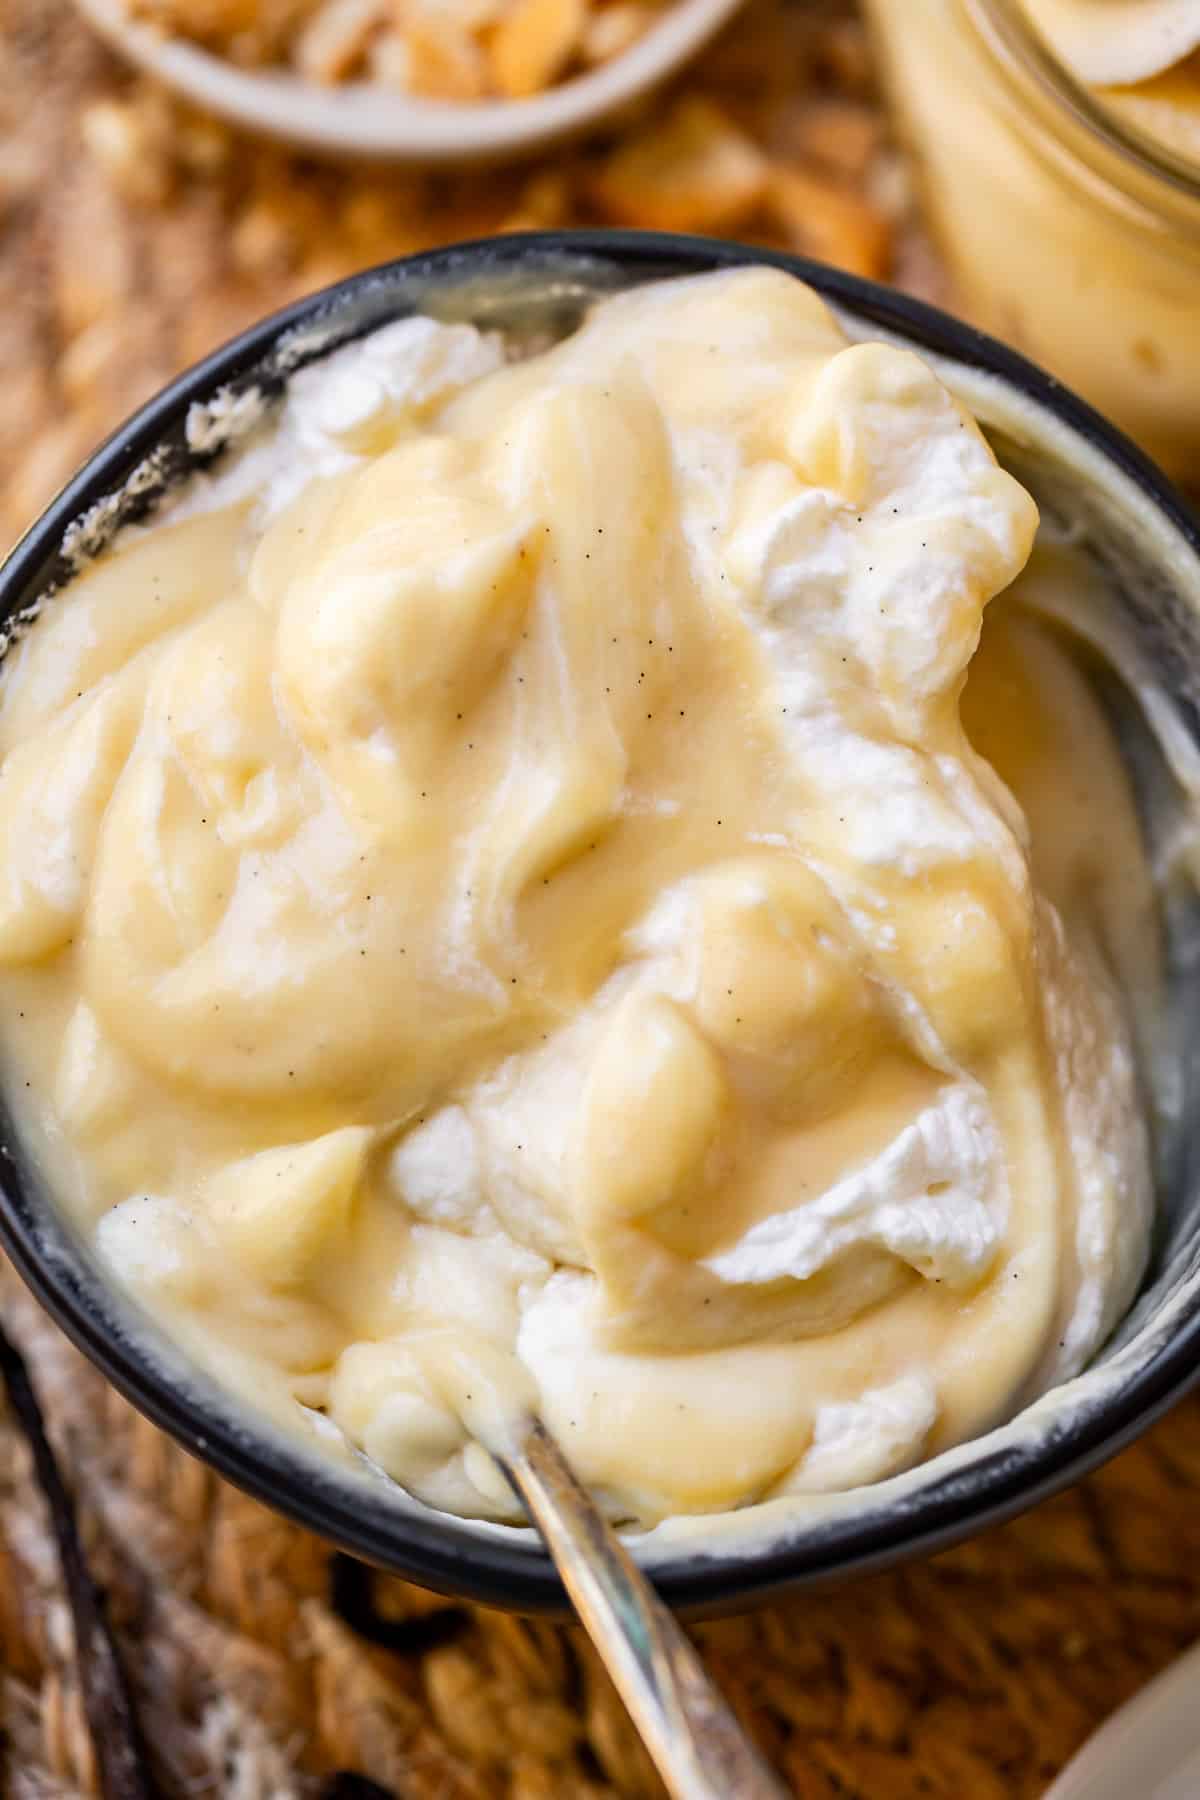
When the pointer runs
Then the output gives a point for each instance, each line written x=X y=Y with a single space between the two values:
x=363 y=118
x=438 y=1550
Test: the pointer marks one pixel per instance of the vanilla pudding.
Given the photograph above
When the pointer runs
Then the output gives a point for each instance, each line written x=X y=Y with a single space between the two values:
x=1141 y=59
x=1058 y=145
x=505 y=902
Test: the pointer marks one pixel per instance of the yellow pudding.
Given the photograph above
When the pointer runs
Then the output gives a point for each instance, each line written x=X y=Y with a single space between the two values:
x=1140 y=58
x=1057 y=142
x=501 y=907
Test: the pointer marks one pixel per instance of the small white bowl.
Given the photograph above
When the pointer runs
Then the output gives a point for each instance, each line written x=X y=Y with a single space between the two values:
x=1151 y=1747
x=364 y=119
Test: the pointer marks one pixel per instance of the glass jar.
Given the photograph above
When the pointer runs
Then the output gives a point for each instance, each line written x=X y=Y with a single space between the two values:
x=1065 y=233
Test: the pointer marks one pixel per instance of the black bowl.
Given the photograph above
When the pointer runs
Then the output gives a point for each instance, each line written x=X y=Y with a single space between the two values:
x=1134 y=522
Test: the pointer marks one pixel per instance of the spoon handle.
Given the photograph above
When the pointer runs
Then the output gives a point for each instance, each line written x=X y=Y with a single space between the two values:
x=695 y=1741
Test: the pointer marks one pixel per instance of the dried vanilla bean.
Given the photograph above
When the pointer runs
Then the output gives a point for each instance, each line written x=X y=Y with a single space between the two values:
x=353 y=1787
x=352 y=1598
x=121 y=1760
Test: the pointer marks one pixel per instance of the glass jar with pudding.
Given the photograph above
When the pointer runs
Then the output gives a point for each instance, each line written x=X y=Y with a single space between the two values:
x=1060 y=147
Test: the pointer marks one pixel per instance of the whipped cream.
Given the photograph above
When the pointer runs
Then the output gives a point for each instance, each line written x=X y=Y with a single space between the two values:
x=335 y=414
x=927 y=1199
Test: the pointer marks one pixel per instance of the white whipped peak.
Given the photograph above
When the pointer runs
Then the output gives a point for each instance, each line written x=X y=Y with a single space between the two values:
x=152 y=1241
x=354 y=399
x=337 y=413
x=435 y=1170
x=855 y=1442
x=935 y=1198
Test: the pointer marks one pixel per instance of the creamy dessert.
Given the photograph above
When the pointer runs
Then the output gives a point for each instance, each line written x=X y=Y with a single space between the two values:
x=1141 y=59
x=504 y=903
x=1060 y=235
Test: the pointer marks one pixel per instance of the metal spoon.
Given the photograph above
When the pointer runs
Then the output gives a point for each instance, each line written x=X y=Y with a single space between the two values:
x=697 y=1745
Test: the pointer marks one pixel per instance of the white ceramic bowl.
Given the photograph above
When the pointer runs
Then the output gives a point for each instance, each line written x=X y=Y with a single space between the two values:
x=363 y=119
x=1151 y=1748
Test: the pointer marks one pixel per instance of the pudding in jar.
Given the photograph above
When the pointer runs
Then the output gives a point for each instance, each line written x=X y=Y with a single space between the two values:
x=534 y=886
x=1058 y=145
x=1139 y=58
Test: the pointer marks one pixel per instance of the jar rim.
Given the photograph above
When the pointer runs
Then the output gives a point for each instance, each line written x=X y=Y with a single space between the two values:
x=1017 y=46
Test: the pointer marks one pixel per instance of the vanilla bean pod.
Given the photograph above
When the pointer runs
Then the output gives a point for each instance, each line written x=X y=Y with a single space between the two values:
x=348 y=1786
x=121 y=1760
x=352 y=1598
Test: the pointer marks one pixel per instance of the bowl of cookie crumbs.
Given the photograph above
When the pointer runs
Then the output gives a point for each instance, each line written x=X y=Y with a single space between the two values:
x=410 y=79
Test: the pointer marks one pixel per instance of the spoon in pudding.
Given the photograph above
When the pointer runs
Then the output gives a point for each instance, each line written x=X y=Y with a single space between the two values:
x=690 y=1731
